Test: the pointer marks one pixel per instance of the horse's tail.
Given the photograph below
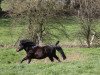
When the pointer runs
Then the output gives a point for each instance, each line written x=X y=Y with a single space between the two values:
x=57 y=43
x=60 y=50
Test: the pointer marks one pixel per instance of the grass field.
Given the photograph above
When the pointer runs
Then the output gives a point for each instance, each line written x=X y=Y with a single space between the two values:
x=80 y=61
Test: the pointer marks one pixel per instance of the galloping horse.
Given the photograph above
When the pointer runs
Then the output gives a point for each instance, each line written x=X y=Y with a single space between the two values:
x=38 y=52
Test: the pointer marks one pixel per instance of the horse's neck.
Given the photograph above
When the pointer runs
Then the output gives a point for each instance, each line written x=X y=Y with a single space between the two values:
x=27 y=49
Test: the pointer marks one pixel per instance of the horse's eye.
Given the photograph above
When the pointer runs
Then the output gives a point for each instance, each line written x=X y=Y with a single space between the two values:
x=20 y=44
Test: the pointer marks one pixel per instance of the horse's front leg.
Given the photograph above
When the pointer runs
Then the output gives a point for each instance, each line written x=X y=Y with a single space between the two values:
x=29 y=60
x=56 y=57
x=25 y=58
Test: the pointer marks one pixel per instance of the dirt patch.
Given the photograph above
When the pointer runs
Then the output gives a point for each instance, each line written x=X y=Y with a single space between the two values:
x=76 y=56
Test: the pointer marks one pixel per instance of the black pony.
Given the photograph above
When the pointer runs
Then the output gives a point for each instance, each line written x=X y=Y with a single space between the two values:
x=38 y=52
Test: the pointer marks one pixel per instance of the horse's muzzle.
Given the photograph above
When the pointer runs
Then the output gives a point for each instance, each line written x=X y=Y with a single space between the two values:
x=17 y=50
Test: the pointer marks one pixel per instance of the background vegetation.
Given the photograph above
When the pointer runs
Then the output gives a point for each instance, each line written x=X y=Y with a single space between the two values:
x=74 y=23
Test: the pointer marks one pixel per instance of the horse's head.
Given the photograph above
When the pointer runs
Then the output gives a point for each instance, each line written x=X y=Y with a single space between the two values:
x=20 y=47
x=25 y=44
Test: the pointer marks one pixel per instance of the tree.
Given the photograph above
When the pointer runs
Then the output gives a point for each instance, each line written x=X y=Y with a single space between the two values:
x=36 y=14
x=87 y=15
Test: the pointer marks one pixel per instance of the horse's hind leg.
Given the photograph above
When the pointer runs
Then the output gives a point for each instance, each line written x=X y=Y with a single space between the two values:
x=24 y=59
x=51 y=58
x=56 y=57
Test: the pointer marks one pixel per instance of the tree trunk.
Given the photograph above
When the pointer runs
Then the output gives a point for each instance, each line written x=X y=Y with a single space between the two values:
x=32 y=32
x=0 y=6
x=92 y=38
x=40 y=35
x=88 y=36
x=88 y=43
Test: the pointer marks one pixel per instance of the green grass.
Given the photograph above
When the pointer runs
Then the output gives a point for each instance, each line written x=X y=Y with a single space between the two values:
x=80 y=61
x=8 y=33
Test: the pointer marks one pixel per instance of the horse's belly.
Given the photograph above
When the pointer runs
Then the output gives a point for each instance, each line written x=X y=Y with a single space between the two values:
x=40 y=55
